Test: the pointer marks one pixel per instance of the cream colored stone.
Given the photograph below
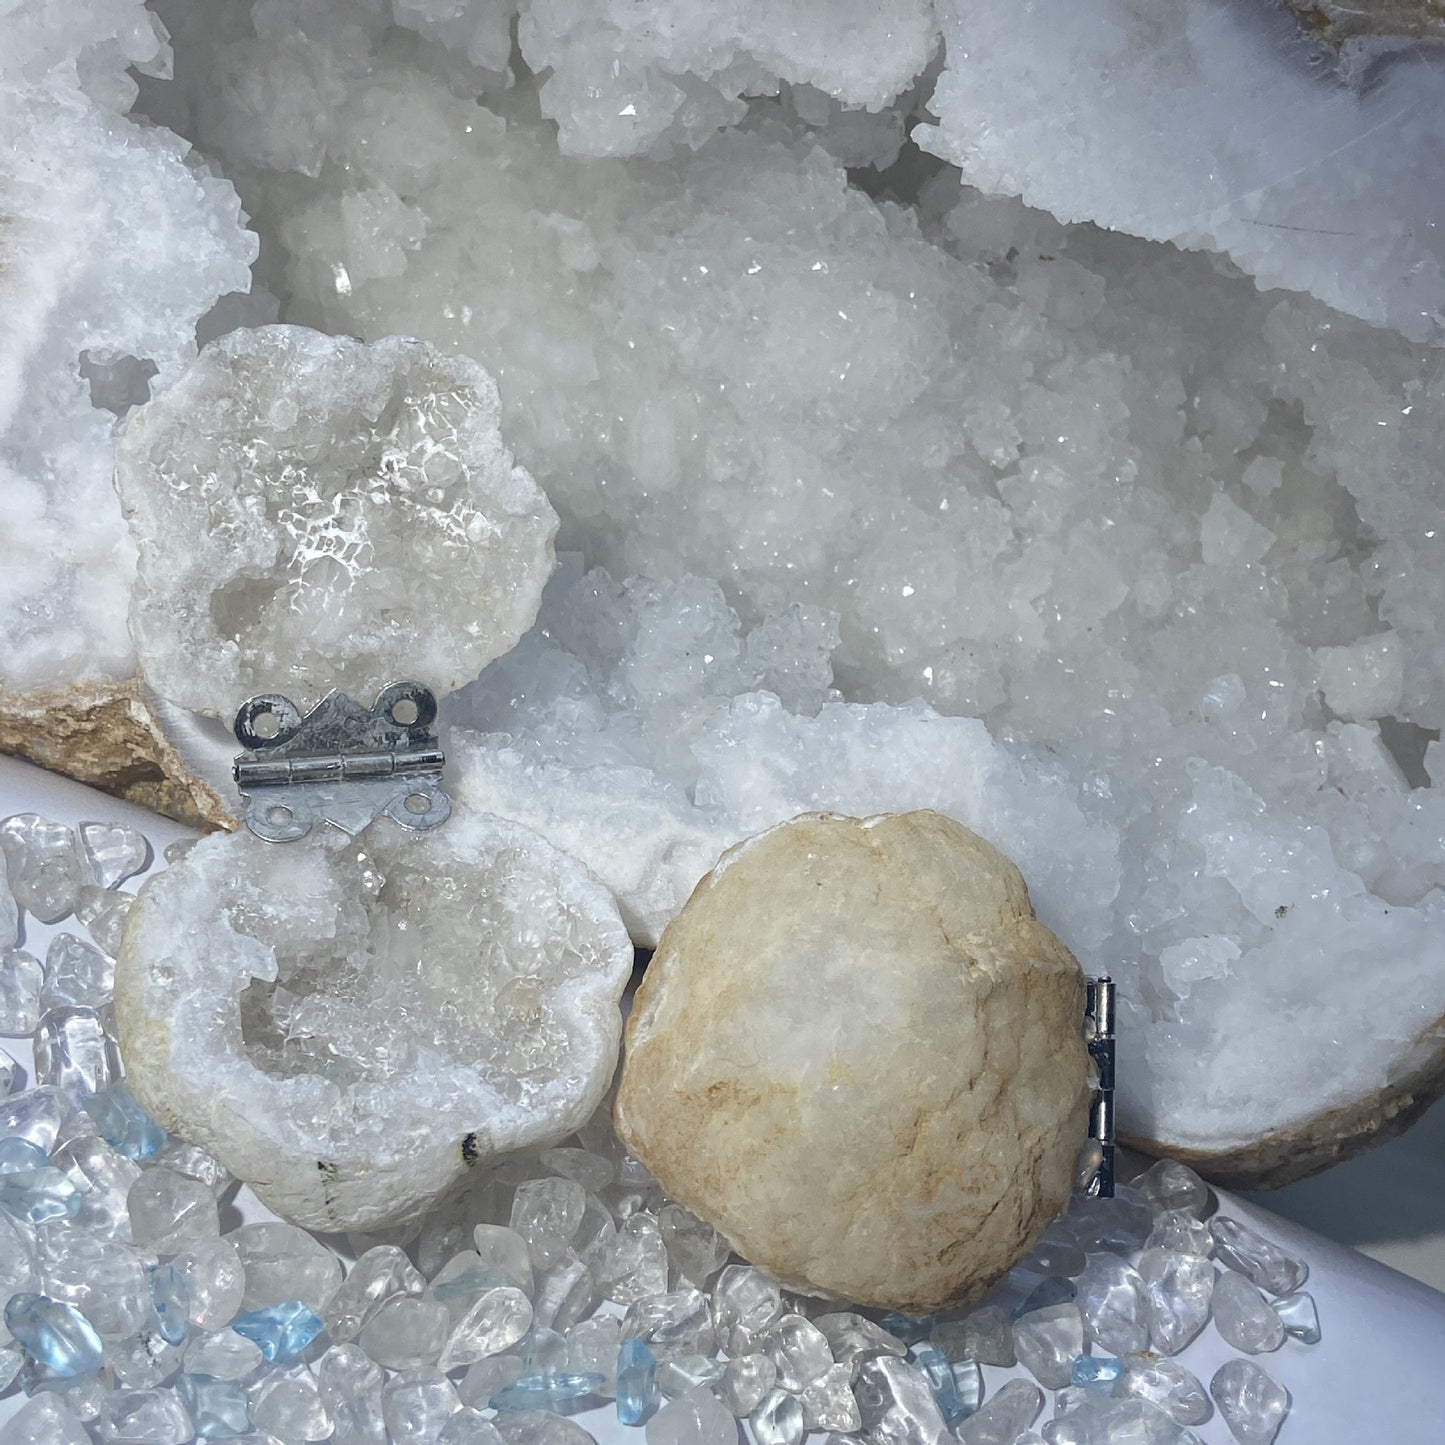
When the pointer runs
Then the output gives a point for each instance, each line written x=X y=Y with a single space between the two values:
x=858 y=1055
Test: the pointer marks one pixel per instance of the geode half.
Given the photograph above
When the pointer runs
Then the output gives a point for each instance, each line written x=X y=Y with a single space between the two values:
x=350 y=1025
x=316 y=512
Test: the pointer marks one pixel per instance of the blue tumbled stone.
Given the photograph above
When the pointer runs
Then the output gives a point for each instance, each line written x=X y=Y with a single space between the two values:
x=18 y=1154
x=1096 y=1372
x=1299 y=1316
x=282 y=1331
x=217 y=1408
x=546 y=1392
x=54 y=1335
x=123 y=1124
x=908 y=1328
x=939 y=1374
x=36 y=1195
x=171 y=1300
x=637 y=1392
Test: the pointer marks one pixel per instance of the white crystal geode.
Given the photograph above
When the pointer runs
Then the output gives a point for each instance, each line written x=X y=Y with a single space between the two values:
x=316 y=512
x=351 y=1025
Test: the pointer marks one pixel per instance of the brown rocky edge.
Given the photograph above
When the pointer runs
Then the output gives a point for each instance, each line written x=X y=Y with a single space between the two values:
x=109 y=736
x=1285 y=1156
x=1338 y=22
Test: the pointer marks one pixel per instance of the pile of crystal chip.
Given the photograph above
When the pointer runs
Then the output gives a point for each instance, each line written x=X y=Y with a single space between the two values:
x=139 y=1310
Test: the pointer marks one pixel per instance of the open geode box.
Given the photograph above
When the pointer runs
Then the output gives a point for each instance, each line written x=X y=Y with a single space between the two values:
x=1099 y=522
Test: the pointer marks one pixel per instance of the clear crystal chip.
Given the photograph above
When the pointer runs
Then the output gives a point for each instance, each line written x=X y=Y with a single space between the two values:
x=1252 y=1402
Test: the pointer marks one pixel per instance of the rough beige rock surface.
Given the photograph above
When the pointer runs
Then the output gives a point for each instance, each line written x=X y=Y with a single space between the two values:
x=858 y=1054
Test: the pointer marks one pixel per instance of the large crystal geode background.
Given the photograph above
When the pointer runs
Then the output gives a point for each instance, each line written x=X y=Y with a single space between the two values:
x=1028 y=412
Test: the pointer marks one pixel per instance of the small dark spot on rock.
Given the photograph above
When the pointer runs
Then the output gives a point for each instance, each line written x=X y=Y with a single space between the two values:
x=469 y=1149
x=1281 y=910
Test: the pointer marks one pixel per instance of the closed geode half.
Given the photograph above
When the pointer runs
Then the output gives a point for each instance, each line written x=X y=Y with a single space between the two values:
x=315 y=512
x=352 y=1025
x=858 y=1054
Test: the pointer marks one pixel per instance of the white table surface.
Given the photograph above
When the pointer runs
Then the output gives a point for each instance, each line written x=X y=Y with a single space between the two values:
x=1372 y=1380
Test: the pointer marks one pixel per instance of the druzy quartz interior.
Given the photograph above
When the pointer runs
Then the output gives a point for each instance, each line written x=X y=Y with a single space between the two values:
x=351 y=1024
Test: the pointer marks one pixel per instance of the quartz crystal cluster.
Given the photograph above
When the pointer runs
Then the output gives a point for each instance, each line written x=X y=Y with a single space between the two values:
x=561 y=1281
x=1162 y=540
x=313 y=512
x=353 y=1026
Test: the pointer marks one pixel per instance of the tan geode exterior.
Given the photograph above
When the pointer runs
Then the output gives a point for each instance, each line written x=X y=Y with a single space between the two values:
x=858 y=1055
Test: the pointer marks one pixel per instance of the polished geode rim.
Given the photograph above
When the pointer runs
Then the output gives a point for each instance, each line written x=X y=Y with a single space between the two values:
x=374 y=1153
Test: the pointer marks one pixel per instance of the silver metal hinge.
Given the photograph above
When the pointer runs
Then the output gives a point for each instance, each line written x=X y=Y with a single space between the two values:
x=341 y=763
x=1099 y=1035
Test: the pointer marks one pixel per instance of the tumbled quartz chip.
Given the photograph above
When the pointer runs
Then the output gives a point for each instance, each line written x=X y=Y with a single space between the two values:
x=850 y=1335
x=828 y=1402
x=156 y=1417
x=778 y=1420
x=73 y=1051
x=1179 y=1287
x=76 y=973
x=315 y=511
x=1167 y=1384
x=21 y=979
x=983 y=1335
x=1168 y=1184
x=696 y=1418
x=745 y=1382
x=798 y=1349
x=1251 y=1401
x=896 y=1402
x=54 y=1334
x=1048 y=1341
x=1114 y=1304
x=43 y=864
x=1271 y=1268
x=351 y=1026
x=1243 y=1316
x=1000 y=1421
x=112 y=852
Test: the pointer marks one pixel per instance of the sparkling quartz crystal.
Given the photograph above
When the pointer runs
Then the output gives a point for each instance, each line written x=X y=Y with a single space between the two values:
x=681 y=1322
x=21 y=979
x=103 y=913
x=744 y=1299
x=632 y=1264
x=218 y=1408
x=564 y=1293
x=351 y=1390
x=1176 y=1230
x=1244 y=1317
x=547 y=1214
x=637 y=1389
x=1057 y=1257
x=1168 y=1184
x=1179 y=1287
x=504 y=1255
x=416 y=1404
x=849 y=1335
x=43 y=864
x=1095 y=1372
x=289 y=1406
x=696 y=1249
x=593 y=1348
x=143 y=1417
x=1251 y=1401
x=999 y=1421
x=1299 y=1316
x=1270 y=1267
x=170 y=1213
x=1048 y=1341
x=76 y=973
x=798 y=1348
x=144 y=1361
x=195 y=1163
x=896 y=1402
x=104 y=1280
x=1167 y=1384
x=778 y=1420
x=222 y=1354
x=744 y=1383
x=282 y=1262
x=45 y=1420
x=376 y=1276
x=543 y=1351
x=470 y=1427
x=215 y=1282
x=1116 y=1226
x=1114 y=1304
x=540 y=1427
x=677 y=1374
x=495 y=1322
x=112 y=852
x=984 y=1335
x=367 y=987
x=388 y=468
x=54 y=1335
x=407 y=1333
x=696 y=1418
x=73 y=1051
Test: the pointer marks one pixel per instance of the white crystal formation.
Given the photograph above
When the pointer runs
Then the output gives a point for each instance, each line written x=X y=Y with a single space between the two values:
x=106 y=264
x=822 y=1028
x=1227 y=138
x=315 y=512
x=352 y=1025
x=1053 y=459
